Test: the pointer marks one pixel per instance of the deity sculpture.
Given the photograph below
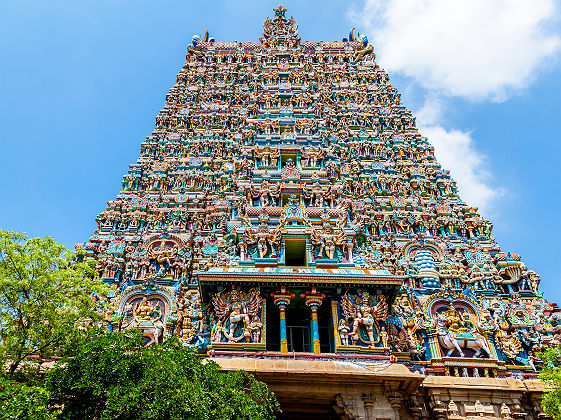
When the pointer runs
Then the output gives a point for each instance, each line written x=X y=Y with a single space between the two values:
x=457 y=332
x=366 y=50
x=195 y=48
x=327 y=239
x=311 y=156
x=255 y=328
x=344 y=330
x=364 y=313
x=145 y=316
x=143 y=311
x=267 y=241
x=267 y=155
x=266 y=194
x=509 y=344
x=189 y=316
x=236 y=311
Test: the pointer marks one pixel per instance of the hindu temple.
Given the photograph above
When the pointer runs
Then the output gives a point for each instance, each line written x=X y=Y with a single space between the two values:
x=286 y=217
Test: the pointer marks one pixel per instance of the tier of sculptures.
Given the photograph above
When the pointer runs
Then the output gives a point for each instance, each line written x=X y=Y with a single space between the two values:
x=263 y=141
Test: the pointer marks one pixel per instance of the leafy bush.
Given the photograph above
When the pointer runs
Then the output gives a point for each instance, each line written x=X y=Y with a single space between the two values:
x=551 y=375
x=113 y=376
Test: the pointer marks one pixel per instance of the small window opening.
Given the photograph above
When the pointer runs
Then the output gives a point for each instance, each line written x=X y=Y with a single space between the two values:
x=295 y=253
x=285 y=158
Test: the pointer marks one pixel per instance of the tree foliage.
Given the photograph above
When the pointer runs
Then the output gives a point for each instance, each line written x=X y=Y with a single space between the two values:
x=24 y=400
x=43 y=295
x=551 y=375
x=49 y=306
x=112 y=376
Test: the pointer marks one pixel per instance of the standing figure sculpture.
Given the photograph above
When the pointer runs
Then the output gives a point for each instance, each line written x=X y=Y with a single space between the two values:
x=264 y=239
x=364 y=313
x=266 y=193
x=234 y=311
x=327 y=239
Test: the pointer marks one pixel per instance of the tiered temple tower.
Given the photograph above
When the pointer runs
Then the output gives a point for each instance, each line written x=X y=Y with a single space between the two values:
x=286 y=216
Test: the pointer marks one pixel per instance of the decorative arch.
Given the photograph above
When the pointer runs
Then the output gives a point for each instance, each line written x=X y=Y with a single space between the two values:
x=440 y=300
x=136 y=292
x=412 y=247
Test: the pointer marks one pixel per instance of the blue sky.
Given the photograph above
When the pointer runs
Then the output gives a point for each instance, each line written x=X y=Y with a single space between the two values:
x=81 y=83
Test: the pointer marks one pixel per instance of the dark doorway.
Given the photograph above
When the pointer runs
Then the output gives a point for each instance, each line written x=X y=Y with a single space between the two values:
x=285 y=158
x=325 y=323
x=298 y=319
x=298 y=338
x=273 y=326
x=295 y=253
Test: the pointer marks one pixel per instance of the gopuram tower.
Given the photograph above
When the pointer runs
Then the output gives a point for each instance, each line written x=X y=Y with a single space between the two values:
x=286 y=217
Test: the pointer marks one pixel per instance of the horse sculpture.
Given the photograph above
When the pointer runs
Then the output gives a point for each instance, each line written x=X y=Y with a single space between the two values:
x=460 y=340
x=153 y=332
x=152 y=328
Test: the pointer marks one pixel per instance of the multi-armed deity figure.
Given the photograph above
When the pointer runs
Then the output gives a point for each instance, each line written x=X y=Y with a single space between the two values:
x=327 y=240
x=266 y=194
x=267 y=242
x=235 y=312
x=364 y=313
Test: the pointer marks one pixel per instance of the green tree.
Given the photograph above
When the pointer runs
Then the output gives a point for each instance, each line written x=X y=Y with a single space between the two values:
x=551 y=375
x=112 y=376
x=49 y=307
x=44 y=295
x=24 y=401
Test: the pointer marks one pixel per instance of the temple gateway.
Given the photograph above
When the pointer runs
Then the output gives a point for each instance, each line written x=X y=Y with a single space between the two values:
x=286 y=217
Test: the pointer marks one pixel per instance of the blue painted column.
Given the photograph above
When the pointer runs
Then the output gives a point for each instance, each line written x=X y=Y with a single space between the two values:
x=313 y=301
x=315 y=327
x=282 y=299
x=283 y=339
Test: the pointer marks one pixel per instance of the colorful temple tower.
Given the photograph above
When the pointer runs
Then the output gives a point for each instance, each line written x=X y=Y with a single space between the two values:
x=286 y=217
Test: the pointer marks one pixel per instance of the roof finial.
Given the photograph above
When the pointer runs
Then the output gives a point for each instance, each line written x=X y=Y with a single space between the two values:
x=279 y=10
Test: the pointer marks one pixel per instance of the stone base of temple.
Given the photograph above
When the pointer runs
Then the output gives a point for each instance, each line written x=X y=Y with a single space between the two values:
x=331 y=388
x=460 y=366
x=327 y=263
x=361 y=349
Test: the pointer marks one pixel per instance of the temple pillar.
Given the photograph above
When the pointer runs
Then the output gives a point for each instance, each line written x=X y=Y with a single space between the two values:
x=313 y=301
x=369 y=400
x=414 y=407
x=395 y=399
x=433 y=344
x=283 y=339
x=315 y=327
x=282 y=299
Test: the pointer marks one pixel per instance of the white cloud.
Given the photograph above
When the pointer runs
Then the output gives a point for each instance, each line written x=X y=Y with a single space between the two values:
x=475 y=49
x=455 y=150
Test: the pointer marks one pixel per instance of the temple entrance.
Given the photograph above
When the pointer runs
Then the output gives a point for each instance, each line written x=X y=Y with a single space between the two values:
x=299 y=326
x=298 y=319
x=273 y=327
x=325 y=328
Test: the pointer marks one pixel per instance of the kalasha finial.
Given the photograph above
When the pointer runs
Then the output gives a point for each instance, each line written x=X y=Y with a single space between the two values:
x=279 y=10
x=280 y=27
